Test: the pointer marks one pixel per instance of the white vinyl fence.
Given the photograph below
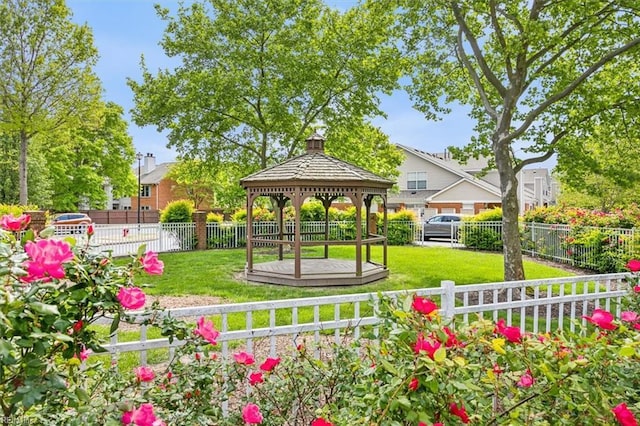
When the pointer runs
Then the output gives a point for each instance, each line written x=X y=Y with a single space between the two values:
x=536 y=305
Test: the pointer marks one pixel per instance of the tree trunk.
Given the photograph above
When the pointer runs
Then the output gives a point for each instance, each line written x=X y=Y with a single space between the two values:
x=22 y=168
x=512 y=247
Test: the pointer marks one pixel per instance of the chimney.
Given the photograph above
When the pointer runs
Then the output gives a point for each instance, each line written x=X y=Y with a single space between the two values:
x=149 y=162
x=315 y=143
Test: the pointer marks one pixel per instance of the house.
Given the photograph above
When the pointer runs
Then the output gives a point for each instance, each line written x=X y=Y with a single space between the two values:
x=156 y=191
x=436 y=183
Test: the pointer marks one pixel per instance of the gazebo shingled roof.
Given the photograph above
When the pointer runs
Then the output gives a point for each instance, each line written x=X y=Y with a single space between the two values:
x=315 y=174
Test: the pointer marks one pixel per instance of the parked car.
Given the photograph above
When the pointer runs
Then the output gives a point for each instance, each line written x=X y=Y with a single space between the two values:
x=442 y=226
x=71 y=222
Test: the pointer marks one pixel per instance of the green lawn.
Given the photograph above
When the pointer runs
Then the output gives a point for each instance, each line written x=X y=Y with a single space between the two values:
x=216 y=272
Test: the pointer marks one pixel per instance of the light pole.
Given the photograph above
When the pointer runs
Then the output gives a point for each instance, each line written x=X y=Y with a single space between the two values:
x=139 y=158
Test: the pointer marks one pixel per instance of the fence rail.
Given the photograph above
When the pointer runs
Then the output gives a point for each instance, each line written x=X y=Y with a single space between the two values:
x=599 y=249
x=536 y=305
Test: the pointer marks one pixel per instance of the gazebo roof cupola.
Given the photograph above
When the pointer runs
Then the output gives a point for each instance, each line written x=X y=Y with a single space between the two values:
x=315 y=143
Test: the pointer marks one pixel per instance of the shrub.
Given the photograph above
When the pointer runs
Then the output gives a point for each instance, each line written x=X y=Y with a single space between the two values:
x=214 y=217
x=482 y=236
x=400 y=230
x=15 y=210
x=179 y=211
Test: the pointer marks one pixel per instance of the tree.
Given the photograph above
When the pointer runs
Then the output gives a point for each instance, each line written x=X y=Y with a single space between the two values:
x=255 y=75
x=84 y=159
x=536 y=74
x=46 y=80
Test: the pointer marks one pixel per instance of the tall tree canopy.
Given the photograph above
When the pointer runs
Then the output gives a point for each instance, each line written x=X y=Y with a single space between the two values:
x=46 y=77
x=536 y=73
x=85 y=160
x=256 y=74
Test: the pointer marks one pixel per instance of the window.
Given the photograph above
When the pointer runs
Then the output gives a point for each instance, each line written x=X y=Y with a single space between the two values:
x=145 y=207
x=417 y=180
x=145 y=191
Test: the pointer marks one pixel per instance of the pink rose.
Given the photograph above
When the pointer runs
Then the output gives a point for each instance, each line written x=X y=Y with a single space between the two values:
x=426 y=345
x=126 y=417
x=47 y=257
x=413 y=384
x=144 y=374
x=151 y=264
x=633 y=265
x=624 y=416
x=15 y=224
x=321 y=422
x=255 y=378
x=144 y=416
x=526 y=380
x=459 y=411
x=244 y=358
x=629 y=316
x=602 y=319
x=131 y=297
x=206 y=330
x=269 y=364
x=84 y=353
x=251 y=414
x=512 y=334
x=423 y=305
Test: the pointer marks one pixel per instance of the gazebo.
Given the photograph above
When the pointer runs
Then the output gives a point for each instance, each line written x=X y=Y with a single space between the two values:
x=316 y=174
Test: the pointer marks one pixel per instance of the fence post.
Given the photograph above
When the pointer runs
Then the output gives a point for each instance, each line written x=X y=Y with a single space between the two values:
x=448 y=299
x=200 y=219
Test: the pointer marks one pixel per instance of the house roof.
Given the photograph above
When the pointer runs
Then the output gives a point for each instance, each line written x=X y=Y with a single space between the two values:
x=408 y=195
x=156 y=175
x=314 y=167
x=451 y=167
x=474 y=182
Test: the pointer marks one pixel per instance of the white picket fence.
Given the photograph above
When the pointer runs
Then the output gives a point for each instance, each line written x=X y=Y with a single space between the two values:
x=537 y=305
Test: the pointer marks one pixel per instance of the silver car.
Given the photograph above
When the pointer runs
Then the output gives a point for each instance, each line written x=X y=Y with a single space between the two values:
x=442 y=226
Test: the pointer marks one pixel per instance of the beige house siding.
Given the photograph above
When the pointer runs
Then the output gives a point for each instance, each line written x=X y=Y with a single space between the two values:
x=465 y=191
x=437 y=178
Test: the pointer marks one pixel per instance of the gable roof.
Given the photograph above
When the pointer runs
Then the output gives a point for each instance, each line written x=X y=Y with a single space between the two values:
x=450 y=167
x=488 y=189
x=156 y=175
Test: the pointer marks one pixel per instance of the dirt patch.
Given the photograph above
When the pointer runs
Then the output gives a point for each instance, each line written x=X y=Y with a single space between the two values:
x=564 y=266
x=171 y=302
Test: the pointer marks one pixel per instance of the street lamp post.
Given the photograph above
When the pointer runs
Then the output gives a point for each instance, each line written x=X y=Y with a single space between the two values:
x=139 y=158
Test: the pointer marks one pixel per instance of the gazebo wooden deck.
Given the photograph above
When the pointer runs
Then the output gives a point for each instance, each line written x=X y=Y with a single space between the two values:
x=316 y=174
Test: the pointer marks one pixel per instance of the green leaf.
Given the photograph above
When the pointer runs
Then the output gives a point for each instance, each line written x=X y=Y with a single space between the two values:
x=440 y=355
x=389 y=367
x=114 y=325
x=43 y=308
x=627 y=351
x=29 y=235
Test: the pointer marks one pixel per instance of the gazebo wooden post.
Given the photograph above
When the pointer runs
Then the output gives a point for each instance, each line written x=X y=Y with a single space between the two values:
x=384 y=230
x=367 y=204
x=357 y=201
x=250 y=199
x=297 y=239
x=280 y=201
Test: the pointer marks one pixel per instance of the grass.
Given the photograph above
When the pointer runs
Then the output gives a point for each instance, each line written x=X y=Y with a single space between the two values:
x=216 y=272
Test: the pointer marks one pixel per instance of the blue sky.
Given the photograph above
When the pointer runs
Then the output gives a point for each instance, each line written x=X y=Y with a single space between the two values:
x=126 y=29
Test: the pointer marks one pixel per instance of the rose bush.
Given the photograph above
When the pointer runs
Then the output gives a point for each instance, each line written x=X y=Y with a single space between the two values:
x=52 y=291
x=416 y=369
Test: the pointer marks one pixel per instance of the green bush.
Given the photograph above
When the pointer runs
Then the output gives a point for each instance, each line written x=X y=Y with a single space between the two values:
x=15 y=210
x=179 y=211
x=400 y=229
x=214 y=217
x=483 y=236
